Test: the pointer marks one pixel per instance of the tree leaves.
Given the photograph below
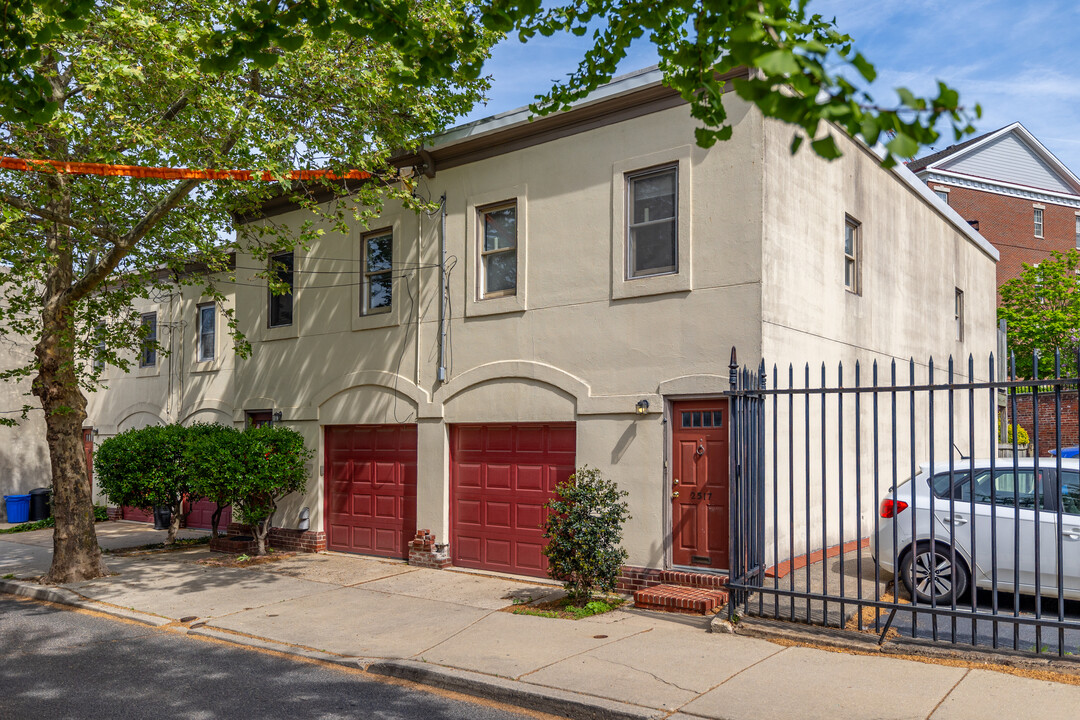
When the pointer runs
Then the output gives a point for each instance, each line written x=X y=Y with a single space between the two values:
x=1042 y=309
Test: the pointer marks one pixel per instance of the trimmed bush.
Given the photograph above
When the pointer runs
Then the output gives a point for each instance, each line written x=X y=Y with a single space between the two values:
x=214 y=459
x=275 y=461
x=584 y=532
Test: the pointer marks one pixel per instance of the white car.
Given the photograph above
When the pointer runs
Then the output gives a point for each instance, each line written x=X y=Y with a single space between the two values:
x=948 y=532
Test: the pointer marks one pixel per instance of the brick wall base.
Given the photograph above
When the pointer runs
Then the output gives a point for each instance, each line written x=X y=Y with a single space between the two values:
x=232 y=545
x=425 y=552
x=285 y=538
x=114 y=513
x=637 y=578
x=1070 y=420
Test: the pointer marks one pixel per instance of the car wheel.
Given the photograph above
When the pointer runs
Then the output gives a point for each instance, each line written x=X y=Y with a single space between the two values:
x=932 y=576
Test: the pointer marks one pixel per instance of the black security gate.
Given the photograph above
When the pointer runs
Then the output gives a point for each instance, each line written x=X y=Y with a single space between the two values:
x=899 y=500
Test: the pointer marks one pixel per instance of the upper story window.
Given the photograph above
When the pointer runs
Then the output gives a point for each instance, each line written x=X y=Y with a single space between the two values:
x=652 y=245
x=498 y=250
x=148 y=351
x=207 y=332
x=852 y=255
x=377 y=291
x=280 y=307
x=958 y=313
x=1078 y=231
x=1038 y=222
x=943 y=196
x=99 y=347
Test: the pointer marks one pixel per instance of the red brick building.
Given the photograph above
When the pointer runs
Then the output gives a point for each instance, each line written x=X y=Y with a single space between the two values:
x=1013 y=190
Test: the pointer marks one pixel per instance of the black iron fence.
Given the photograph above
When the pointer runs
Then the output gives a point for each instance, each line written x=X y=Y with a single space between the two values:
x=896 y=500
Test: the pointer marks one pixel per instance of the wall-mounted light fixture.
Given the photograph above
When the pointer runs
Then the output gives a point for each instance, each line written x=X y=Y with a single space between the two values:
x=642 y=407
x=277 y=416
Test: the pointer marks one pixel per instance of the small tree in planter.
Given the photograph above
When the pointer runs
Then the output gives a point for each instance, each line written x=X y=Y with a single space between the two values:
x=145 y=469
x=274 y=466
x=584 y=531
x=214 y=459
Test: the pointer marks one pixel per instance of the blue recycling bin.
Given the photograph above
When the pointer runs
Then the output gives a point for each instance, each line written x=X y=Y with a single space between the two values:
x=18 y=508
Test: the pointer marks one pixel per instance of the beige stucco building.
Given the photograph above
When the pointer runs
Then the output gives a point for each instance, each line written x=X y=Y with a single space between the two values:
x=599 y=267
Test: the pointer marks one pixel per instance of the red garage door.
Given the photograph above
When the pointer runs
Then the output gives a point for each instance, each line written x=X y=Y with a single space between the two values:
x=371 y=489
x=501 y=477
x=203 y=511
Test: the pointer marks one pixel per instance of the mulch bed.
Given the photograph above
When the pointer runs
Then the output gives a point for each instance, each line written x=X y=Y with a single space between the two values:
x=244 y=561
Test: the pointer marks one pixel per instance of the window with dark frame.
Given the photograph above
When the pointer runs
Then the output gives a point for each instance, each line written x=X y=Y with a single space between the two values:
x=958 y=311
x=280 y=307
x=652 y=244
x=852 y=252
x=376 y=294
x=207 y=332
x=498 y=250
x=99 y=347
x=1038 y=222
x=148 y=351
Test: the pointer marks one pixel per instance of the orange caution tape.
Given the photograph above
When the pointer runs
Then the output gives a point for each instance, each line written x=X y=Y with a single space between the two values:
x=161 y=173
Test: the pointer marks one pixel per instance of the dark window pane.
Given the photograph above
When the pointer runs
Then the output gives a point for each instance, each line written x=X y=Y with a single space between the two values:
x=697 y=419
x=652 y=248
x=686 y=419
x=149 y=349
x=206 y=332
x=1070 y=492
x=960 y=485
x=380 y=253
x=379 y=291
x=281 y=305
x=653 y=197
x=718 y=419
x=500 y=271
x=500 y=228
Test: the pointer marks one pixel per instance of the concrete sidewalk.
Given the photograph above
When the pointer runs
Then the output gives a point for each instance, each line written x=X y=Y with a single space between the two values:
x=447 y=628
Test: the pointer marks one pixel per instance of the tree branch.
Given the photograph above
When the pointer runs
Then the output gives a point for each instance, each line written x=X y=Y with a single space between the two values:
x=48 y=216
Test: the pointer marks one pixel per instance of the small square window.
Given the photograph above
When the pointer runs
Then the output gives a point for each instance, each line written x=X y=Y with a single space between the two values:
x=1038 y=222
x=378 y=291
x=281 y=306
x=207 y=332
x=852 y=259
x=148 y=352
x=652 y=246
x=498 y=250
x=942 y=196
x=958 y=311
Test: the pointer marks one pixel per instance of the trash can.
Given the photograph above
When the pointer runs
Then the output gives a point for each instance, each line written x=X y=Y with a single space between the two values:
x=18 y=508
x=40 y=504
x=162 y=517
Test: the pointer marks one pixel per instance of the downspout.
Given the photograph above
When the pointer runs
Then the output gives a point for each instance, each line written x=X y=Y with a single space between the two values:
x=443 y=291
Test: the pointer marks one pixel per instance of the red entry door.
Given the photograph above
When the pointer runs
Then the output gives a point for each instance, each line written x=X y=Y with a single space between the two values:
x=699 y=476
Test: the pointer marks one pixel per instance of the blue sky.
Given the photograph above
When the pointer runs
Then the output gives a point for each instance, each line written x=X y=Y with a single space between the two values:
x=1019 y=59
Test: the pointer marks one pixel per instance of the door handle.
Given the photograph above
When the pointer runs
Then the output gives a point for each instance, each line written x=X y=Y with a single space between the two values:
x=675 y=481
x=675 y=494
x=959 y=520
x=1071 y=533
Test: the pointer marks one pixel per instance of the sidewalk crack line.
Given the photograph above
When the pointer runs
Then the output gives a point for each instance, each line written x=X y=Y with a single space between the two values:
x=962 y=677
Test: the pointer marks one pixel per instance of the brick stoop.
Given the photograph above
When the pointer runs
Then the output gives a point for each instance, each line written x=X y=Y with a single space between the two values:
x=681 y=599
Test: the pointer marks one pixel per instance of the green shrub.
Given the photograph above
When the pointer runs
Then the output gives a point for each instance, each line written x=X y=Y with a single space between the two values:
x=584 y=531
x=274 y=466
x=101 y=513
x=214 y=460
x=144 y=468
x=1022 y=437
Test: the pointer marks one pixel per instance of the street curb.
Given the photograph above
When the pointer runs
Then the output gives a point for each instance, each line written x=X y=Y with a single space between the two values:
x=356 y=663
x=63 y=596
x=513 y=692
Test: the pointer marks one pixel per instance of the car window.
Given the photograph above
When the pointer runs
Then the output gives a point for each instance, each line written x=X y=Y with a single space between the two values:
x=1016 y=488
x=961 y=488
x=1070 y=492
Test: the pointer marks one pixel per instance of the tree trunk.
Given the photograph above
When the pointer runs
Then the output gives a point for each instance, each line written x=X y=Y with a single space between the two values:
x=174 y=522
x=76 y=554
x=215 y=520
x=261 y=530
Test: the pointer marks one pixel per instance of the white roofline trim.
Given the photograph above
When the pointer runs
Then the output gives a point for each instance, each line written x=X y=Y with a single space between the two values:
x=1025 y=136
x=1001 y=188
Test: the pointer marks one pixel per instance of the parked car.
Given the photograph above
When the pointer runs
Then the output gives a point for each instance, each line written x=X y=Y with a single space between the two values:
x=940 y=532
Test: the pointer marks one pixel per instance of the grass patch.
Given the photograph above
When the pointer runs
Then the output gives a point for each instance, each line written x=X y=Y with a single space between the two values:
x=227 y=560
x=564 y=609
x=100 y=515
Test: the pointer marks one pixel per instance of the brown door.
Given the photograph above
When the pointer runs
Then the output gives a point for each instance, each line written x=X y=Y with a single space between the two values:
x=699 y=477
x=88 y=448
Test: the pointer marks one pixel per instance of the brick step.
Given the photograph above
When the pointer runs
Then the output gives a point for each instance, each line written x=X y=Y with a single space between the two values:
x=681 y=599
x=690 y=579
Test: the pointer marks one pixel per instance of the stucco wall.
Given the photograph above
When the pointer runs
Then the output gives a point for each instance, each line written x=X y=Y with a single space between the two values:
x=24 y=456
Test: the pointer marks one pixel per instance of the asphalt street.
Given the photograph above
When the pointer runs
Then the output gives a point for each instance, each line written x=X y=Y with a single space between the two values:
x=56 y=663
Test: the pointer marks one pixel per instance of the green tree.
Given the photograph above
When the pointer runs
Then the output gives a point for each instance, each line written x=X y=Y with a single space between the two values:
x=145 y=469
x=214 y=460
x=275 y=465
x=584 y=532
x=128 y=88
x=1042 y=309
x=785 y=45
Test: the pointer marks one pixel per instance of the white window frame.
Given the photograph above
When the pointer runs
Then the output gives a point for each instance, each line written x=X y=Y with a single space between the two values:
x=958 y=314
x=943 y=195
x=99 y=348
x=853 y=280
x=1078 y=230
x=629 y=178
x=1038 y=217
x=365 y=296
x=271 y=297
x=482 y=293
x=147 y=319
x=200 y=356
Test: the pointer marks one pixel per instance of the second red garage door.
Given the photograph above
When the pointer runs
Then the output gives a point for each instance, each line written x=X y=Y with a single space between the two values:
x=371 y=489
x=501 y=477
